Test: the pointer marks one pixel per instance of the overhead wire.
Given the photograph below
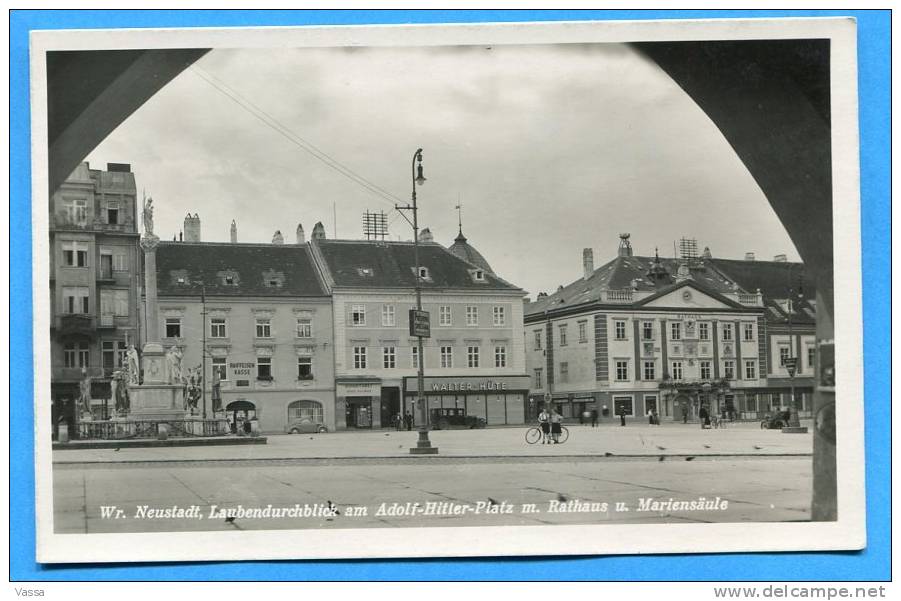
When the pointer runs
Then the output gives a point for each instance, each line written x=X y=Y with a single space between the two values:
x=287 y=133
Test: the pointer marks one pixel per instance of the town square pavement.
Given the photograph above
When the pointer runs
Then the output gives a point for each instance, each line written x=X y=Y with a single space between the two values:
x=480 y=477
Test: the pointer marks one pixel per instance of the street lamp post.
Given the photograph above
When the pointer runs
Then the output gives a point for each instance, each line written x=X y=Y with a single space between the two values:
x=423 y=444
x=794 y=422
x=203 y=349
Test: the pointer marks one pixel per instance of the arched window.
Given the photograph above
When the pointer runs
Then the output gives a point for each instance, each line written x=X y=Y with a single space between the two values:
x=305 y=409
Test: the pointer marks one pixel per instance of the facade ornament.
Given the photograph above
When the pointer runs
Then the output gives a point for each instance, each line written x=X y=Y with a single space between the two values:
x=84 y=397
x=133 y=365
x=148 y=216
x=174 y=358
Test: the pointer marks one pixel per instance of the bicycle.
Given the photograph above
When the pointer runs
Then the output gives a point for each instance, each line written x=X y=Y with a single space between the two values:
x=534 y=434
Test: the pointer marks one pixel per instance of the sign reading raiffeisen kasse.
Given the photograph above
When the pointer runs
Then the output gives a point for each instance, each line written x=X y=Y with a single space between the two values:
x=419 y=323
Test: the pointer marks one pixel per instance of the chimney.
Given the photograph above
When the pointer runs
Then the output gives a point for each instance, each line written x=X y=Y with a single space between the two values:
x=749 y=256
x=426 y=235
x=625 y=247
x=318 y=231
x=192 y=228
x=301 y=238
x=277 y=237
x=233 y=232
x=780 y=259
x=587 y=262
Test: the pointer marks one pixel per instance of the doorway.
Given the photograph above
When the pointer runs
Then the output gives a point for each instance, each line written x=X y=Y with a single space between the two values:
x=358 y=412
x=241 y=412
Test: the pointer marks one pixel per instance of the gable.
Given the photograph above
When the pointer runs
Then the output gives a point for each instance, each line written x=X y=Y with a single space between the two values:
x=687 y=297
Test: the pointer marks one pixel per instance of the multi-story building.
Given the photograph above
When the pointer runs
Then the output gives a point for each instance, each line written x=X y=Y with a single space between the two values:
x=93 y=283
x=672 y=335
x=264 y=318
x=474 y=361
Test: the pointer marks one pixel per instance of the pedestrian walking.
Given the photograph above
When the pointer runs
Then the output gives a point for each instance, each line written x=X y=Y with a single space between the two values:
x=704 y=417
x=594 y=418
x=655 y=417
x=650 y=417
x=622 y=416
x=408 y=421
x=684 y=413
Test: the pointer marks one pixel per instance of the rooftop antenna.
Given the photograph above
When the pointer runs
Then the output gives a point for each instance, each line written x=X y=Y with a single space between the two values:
x=334 y=220
x=459 y=209
x=375 y=225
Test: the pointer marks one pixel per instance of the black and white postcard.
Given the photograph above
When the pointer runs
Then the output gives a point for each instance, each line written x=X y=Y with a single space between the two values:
x=447 y=290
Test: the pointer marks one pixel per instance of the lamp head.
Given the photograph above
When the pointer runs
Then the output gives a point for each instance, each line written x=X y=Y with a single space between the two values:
x=420 y=178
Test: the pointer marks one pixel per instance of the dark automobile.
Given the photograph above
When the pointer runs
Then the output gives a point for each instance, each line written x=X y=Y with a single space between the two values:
x=775 y=421
x=305 y=425
x=446 y=419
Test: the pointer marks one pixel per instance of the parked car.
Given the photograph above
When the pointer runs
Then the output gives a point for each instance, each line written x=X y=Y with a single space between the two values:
x=775 y=421
x=445 y=419
x=305 y=425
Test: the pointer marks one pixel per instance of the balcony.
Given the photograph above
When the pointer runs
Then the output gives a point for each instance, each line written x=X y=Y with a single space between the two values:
x=616 y=296
x=105 y=276
x=748 y=299
x=75 y=324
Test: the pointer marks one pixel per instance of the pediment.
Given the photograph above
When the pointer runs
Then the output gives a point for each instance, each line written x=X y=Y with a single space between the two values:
x=687 y=297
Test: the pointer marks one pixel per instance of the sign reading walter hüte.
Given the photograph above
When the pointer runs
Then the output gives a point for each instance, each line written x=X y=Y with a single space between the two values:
x=419 y=323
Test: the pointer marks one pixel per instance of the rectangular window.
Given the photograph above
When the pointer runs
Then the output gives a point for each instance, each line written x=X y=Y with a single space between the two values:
x=76 y=210
x=472 y=356
x=220 y=367
x=727 y=331
x=218 y=327
x=358 y=315
x=69 y=355
x=388 y=316
x=619 y=329
x=705 y=370
x=622 y=405
x=472 y=315
x=444 y=315
x=676 y=330
x=304 y=328
x=563 y=335
x=650 y=372
x=750 y=370
x=113 y=354
x=622 y=371
x=500 y=356
x=389 y=357
x=120 y=303
x=784 y=354
x=106 y=264
x=84 y=355
x=414 y=357
x=264 y=328
x=749 y=331
x=677 y=370
x=447 y=357
x=112 y=212
x=583 y=331
x=537 y=382
x=264 y=368
x=537 y=340
x=647 y=330
x=500 y=316
x=75 y=300
x=729 y=369
x=359 y=357
x=564 y=371
x=120 y=261
x=304 y=368
x=811 y=357
x=704 y=331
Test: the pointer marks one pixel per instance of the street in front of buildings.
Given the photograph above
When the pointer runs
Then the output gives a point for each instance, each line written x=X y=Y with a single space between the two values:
x=480 y=477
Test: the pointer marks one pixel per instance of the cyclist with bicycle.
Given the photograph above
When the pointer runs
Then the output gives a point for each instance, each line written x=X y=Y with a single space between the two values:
x=544 y=423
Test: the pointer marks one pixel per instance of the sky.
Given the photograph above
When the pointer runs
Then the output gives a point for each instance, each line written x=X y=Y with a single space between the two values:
x=550 y=149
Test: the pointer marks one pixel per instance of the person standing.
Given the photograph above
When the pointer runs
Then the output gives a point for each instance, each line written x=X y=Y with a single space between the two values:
x=556 y=428
x=408 y=420
x=622 y=416
x=544 y=423
x=704 y=417
x=594 y=418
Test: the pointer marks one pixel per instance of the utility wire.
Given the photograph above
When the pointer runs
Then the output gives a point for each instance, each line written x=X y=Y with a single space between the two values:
x=308 y=147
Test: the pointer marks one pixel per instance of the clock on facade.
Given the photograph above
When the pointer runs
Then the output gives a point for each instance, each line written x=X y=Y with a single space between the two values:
x=686 y=295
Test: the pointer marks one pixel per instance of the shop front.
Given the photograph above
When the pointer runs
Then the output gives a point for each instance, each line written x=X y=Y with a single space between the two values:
x=359 y=401
x=497 y=400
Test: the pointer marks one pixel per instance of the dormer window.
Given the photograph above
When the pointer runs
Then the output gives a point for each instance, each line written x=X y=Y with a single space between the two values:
x=273 y=283
x=273 y=279
x=365 y=271
x=478 y=275
x=180 y=281
x=423 y=273
x=229 y=280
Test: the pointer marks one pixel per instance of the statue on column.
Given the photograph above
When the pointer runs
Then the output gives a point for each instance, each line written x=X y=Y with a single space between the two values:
x=84 y=397
x=133 y=365
x=174 y=358
x=217 y=393
x=148 y=216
